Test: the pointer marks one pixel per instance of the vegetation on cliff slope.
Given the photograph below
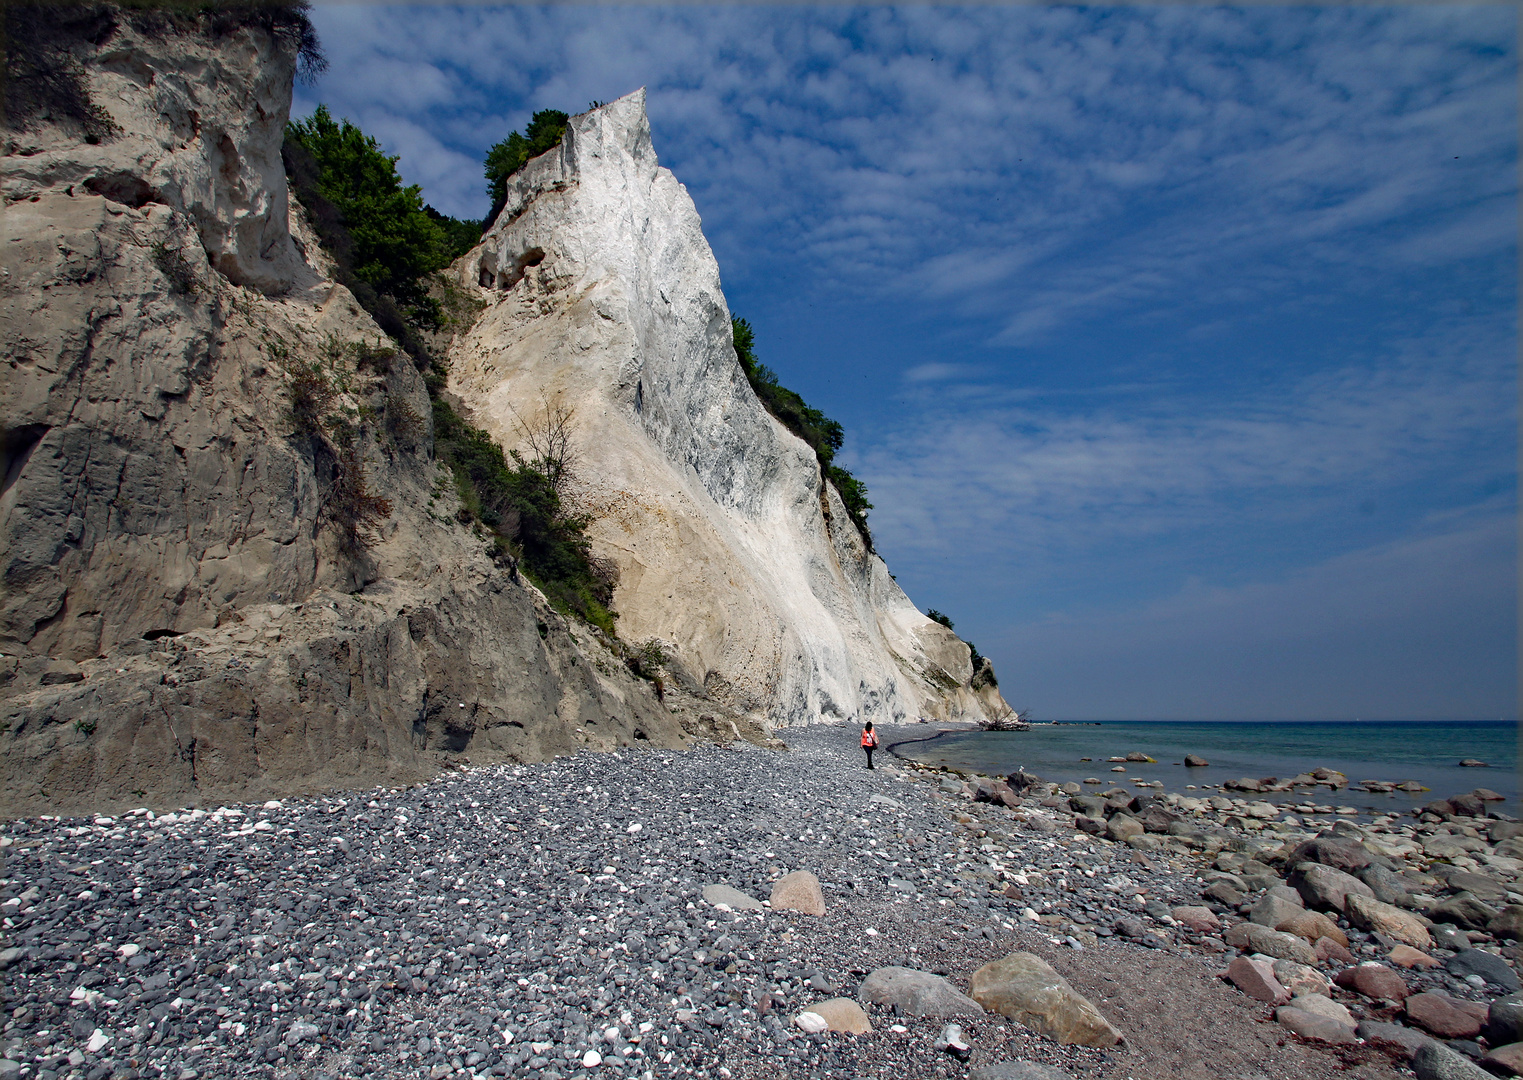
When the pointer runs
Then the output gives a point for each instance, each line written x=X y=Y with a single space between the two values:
x=543 y=133
x=818 y=430
x=981 y=676
x=393 y=242
x=387 y=245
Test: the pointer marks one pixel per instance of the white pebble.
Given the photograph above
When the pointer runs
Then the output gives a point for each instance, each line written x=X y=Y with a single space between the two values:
x=591 y=1059
x=811 y=1022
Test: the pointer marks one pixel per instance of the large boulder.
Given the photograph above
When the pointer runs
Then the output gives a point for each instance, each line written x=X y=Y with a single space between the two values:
x=1443 y=1016
x=1260 y=939
x=798 y=891
x=1302 y=980
x=1375 y=981
x=1404 y=1040
x=1326 y=888
x=1504 y=1021
x=1435 y=1061
x=1487 y=965
x=1385 y=885
x=1256 y=978
x=1272 y=910
x=1027 y=990
x=1367 y=913
x=1506 y=1060
x=916 y=993
x=1123 y=827
x=1312 y=926
x=1464 y=910
x=1507 y=923
x=1341 y=853
x=1200 y=919
x=1314 y=1026
x=1480 y=886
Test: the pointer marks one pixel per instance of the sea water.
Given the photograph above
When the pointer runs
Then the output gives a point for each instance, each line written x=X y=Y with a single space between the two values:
x=1428 y=751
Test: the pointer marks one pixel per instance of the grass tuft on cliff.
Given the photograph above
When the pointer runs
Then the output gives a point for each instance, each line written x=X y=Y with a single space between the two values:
x=822 y=433
x=388 y=247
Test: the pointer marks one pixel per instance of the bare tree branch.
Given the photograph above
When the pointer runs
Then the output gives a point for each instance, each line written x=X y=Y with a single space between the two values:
x=548 y=435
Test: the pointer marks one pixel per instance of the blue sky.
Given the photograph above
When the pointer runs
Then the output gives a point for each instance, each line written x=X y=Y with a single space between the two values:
x=1177 y=346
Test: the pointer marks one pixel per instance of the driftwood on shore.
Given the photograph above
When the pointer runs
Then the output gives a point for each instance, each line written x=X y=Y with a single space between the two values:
x=1007 y=719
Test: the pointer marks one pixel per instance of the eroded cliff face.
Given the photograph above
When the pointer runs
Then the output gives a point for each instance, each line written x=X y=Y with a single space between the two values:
x=182 y=618
x=178 y=620
x=603 y=299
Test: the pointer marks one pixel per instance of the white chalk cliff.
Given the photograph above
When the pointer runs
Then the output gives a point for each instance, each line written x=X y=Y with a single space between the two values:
x=604 y=299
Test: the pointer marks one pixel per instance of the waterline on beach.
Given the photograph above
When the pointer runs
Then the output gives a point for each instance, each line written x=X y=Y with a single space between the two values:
x=1428 y=752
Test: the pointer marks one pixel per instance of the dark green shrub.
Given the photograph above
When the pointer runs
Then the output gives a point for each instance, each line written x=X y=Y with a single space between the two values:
x=825 y=435
x=521 y=503
x=507 y=157
x=459 y=235
x=393 y=243
x=403 y=423
x=936 y=616
x=310 y=393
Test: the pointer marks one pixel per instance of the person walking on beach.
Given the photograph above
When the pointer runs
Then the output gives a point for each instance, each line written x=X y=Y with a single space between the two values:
x=869 y=742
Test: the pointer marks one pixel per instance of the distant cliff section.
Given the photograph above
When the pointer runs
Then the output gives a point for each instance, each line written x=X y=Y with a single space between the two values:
x=233 y=559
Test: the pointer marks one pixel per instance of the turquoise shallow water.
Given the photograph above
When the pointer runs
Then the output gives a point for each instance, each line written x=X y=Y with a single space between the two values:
x=1426 y=751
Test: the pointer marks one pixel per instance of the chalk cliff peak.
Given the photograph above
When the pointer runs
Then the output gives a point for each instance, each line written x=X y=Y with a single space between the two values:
x=603 y=299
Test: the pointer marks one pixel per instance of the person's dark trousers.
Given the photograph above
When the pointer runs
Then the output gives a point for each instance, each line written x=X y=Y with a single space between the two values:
x=869 y=750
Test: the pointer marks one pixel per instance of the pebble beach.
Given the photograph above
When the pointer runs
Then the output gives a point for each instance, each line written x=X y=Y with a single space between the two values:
x=620 y=915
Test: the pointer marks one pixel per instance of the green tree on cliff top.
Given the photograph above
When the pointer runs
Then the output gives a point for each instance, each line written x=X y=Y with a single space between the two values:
x=507 y=157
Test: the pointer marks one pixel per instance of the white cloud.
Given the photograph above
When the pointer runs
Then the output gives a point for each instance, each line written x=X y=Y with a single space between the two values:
x=998 y=475
x=877 y=142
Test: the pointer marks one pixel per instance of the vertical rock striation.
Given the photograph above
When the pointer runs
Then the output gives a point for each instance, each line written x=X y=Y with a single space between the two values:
x=604 y=300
